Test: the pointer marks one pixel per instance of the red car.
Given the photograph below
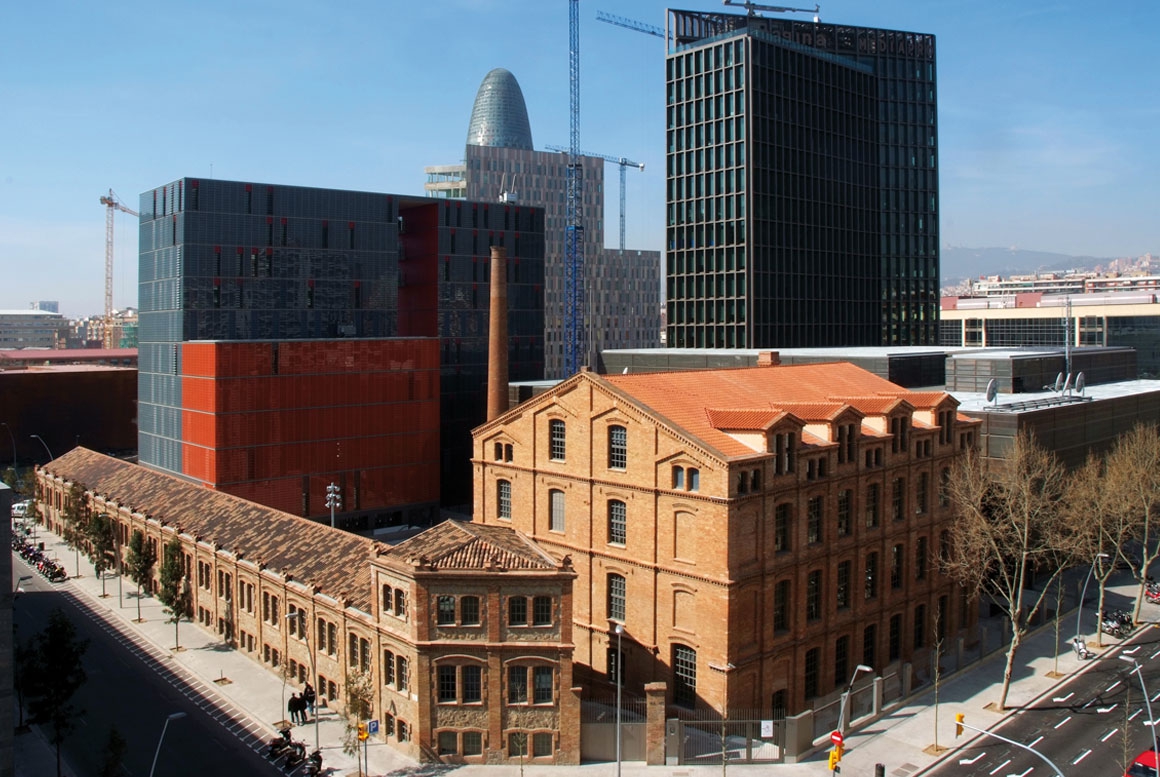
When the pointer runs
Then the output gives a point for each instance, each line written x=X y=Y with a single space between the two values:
x=1143 y=766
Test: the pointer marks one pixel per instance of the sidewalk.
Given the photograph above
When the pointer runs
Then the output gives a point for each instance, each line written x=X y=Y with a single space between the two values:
x=898 y=740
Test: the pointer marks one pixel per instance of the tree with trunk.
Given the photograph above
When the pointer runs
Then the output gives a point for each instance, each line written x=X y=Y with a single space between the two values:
x=113 y=764
x=141 y=559
x=360 y=691
x=55 y=674
x=75 y=516
x=1007 y=536
x=102 y=546
x=174 y=592
x=1133 y=485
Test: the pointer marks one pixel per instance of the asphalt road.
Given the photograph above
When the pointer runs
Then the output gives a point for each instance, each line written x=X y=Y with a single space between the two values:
x=1093 y=725
x=134 y=687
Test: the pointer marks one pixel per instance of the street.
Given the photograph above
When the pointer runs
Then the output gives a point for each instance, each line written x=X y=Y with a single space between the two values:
x=134 y=686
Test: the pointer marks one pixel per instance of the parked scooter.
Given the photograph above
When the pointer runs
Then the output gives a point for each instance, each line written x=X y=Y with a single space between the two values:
x=313 y=766
x=280 y=745
x=1081 y=649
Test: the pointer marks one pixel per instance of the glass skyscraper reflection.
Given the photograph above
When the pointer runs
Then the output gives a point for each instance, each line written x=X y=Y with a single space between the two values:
x=802 y=184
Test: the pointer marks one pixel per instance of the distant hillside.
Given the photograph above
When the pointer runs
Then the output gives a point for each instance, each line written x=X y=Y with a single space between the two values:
x=958 y=264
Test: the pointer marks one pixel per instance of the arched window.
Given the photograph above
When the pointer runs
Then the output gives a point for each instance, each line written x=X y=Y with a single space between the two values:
x=617 y=447
x=503 y=499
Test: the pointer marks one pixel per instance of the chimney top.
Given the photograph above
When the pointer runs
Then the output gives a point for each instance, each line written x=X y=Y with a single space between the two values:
x=768 y=359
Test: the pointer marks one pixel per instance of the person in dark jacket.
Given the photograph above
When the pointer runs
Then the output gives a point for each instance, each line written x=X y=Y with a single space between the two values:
x=309 y=696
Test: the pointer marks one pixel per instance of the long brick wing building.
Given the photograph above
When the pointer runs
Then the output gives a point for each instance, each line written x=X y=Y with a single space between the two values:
x=756 y=532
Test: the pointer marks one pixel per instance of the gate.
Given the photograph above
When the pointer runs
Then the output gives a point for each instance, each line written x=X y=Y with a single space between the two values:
x=598 y=730
x=708 y=742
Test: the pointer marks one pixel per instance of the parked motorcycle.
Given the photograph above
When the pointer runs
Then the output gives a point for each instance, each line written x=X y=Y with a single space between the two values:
x=313 y=766
x=279 y=745
x=1081 y=649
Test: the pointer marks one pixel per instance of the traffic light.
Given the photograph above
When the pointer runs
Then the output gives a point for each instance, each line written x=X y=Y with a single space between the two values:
x=959 y=718
x=362 y=732
x=840 y=750
x=835 y=757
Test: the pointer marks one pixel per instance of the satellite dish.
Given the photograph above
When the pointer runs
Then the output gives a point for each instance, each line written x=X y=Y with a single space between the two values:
x=1067 y=384
x=1059 y=382
x=992 y=390
x=1080 y=383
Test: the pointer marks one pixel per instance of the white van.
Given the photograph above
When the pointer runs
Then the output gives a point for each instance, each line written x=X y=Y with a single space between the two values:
x=20 y=509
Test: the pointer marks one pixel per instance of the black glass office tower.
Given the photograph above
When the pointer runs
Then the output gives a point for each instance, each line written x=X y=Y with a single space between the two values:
x=802 y=184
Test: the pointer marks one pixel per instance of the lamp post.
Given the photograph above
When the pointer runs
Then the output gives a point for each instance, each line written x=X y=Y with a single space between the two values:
x=18 y=589
x=1139 y=672
x=619 y=629
x=172 y=716
x=333 y=500
x=300 y=616
x=1088 y=579
x=42 y=442
x=12 y=437
x=846 y=695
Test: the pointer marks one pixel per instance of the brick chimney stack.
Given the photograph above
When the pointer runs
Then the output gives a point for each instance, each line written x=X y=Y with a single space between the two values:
x=768 y=358
x=497 y=337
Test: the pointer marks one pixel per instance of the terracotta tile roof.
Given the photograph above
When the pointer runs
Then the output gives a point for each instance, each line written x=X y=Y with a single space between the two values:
x=814 y=411
x=879 y=405
x=682 y=397
x=470 y=546
x=336 y=561
x=925 y=399
x=743 y=419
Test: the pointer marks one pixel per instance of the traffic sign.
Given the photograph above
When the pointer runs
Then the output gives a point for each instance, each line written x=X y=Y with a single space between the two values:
x=837 y=738
x=372 y=727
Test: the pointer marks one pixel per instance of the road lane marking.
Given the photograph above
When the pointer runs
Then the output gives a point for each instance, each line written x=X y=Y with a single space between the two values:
x=1037 y=741
x=1000 y=766
x=1065 y=720
x=1060 y=699
x=1029 y=768
x=1082 y=756
x=1157 y=696
x=1112 y=687
x=1131 y=652
x=1109 y=735
x=969 y=761
x=1134 y=714
x=1157 y=653
x=1105 y=710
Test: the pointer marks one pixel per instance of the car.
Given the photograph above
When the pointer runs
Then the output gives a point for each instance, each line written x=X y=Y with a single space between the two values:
x=20 y=509
x=1143 y=766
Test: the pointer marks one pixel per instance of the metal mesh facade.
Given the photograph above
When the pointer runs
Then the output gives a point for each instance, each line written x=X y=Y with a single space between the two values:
x=499 y=117
x=802 y=184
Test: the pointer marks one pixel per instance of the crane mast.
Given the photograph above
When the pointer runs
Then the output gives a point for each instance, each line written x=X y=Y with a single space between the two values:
x=112 y=204
x=624 y=164
x=574 y=276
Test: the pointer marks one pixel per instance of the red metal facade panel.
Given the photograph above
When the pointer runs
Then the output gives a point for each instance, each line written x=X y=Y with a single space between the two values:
x=265 y=417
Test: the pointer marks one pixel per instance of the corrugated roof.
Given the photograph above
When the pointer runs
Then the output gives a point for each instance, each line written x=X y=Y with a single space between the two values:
x=472 y=546
x=682 y=397
x=336 y=561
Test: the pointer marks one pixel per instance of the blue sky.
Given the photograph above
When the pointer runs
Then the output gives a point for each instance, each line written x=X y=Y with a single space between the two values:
x=1048 y=112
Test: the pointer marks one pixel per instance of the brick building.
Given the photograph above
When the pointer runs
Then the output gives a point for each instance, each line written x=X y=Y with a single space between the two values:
x=464 y=631
x=757 y=532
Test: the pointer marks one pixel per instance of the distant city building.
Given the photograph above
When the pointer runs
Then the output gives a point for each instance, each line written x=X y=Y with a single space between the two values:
x=48 y=306
x=32 y=329
x=345 y=313
x=1105 y=318
x=622 y=289
x=802 y=184
x=1061 y=283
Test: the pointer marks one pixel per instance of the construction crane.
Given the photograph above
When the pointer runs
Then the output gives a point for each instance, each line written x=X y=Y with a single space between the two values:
x=631 y=24
x=624 y=165
x=112 y=204
x=574 y=319
x=751 y=8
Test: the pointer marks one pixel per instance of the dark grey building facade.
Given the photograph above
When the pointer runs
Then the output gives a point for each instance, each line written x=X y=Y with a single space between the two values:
x=229 y=260
x=802 y=184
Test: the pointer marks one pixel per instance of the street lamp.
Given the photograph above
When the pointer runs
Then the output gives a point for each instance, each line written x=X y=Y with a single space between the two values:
x=846 y=695
x=300 y=616
x=1088 y=579
x=1139 y=672
x=42 y=442
x=172 y=716
x=333 y=500
x=12 y=437
x=619 y=629
x=18 y=589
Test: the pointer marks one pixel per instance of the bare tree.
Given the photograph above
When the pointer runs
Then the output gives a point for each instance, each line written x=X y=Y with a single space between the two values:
x=1132 y=483
x=1006 y=535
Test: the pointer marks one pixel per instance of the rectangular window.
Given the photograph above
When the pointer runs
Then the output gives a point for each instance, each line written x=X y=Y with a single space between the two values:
x=694 y=479
x=542 y=611
x=388 y=668
x=542 y=685
x=844 y=499
x=556 y=510
x=448 y=690
x=469 y=610
x=895 y=637
x=814 y=520
x=872 y=516
x=810 y=675
x=843 y=597
x=919 y=626
x=841 y=661
x=448 y=742
x=920 y=495
x=503 y=499
x=542 y=744
x=781 y=517
x=517 y=611
x=678 y=478
x=617 y=447
x=472 y=683
x=869 y=643
x=920 y=559
x=517 y=685
x=403 y=674
x=445 y=610
x=871 y=575
x=684 y=675
x=898 y=499
x=616 y=598
x=617 y=522
x=896 y=564
x=556 y=440
x=472 y=743
x=781 y=606
x=814 y=595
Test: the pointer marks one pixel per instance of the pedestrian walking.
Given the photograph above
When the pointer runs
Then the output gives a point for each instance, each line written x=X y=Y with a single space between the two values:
x=309 y=696
x=295 y=709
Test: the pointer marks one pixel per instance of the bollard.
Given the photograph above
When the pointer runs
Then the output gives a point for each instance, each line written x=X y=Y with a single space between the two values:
x=879 y=770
